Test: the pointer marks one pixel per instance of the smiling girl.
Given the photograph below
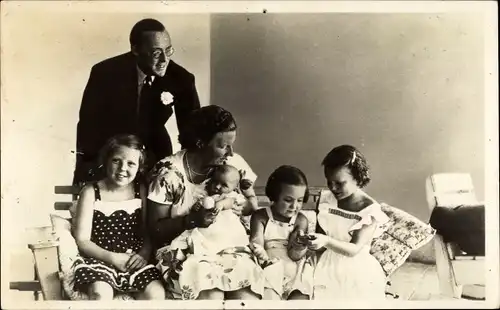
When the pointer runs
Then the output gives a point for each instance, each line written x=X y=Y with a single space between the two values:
x=110 y=228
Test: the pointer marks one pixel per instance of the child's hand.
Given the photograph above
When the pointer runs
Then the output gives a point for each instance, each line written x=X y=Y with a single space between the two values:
x=301 y=238
x=237 y=205
x=120 y=260
x=225 y=203
x=262 y=255
x=259 y=251
x=318 y=242
x=135 y=262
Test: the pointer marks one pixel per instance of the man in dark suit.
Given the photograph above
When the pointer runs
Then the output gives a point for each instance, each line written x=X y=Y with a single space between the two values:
x=134 y=93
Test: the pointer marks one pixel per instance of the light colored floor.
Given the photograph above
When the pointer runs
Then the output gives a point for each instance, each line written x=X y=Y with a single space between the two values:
x=415 y=281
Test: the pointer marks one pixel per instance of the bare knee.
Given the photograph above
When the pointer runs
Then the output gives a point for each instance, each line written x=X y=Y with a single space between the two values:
x=214 y=294
x=242 y=294
x=270 y=294
x=101 y=291
x=297 y=295
x=153 y=291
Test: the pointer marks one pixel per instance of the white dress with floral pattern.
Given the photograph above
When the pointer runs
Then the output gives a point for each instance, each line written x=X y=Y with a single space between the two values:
x=338 y=276
x=228 y=270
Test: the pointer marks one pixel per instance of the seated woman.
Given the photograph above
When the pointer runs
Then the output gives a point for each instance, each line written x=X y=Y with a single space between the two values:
x=178 y=181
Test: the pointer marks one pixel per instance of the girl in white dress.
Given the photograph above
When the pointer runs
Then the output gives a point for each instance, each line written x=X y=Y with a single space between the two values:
x=280 y=229
x=348 y=220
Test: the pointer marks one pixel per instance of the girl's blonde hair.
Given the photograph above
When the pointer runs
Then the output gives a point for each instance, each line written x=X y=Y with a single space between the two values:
x=118 y=141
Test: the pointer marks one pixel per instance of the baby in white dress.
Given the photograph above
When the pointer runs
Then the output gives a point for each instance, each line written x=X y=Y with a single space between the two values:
x=226 y=231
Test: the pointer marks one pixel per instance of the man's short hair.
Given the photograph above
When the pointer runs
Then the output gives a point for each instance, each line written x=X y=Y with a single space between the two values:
x=142 y=26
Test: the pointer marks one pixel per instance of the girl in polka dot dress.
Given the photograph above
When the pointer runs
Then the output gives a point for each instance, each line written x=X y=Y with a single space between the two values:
x=109 y=231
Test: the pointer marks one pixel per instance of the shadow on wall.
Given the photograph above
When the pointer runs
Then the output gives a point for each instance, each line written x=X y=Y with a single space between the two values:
x=403 y=88
x=406 y=89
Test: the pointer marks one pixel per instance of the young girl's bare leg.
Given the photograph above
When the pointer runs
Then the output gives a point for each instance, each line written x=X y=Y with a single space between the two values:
x=100 y=290
x=242 y=294
x=214 y=294
x=270 y=294
x=153 y=291
x=297 y=295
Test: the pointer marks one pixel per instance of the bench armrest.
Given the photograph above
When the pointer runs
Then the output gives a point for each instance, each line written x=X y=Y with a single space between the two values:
x=44 y=247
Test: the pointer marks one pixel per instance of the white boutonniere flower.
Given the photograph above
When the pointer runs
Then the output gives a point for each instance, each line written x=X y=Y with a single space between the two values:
x=167 y=98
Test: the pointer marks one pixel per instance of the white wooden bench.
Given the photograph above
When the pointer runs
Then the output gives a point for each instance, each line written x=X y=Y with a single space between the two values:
x=459 y=275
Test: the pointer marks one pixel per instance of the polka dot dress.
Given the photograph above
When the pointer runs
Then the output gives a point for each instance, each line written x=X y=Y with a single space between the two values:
x=116 y=228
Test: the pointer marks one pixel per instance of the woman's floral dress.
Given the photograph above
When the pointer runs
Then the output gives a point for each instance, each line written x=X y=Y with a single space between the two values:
x=228 y=270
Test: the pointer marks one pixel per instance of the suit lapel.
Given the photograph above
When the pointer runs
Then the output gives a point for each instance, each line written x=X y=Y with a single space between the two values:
x=168 y=81
x=132 y=83
x=125 y=86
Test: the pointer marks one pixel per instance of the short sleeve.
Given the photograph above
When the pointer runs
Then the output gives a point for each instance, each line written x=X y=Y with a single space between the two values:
x=245 y=170
x=167 y=184
x=369 y=215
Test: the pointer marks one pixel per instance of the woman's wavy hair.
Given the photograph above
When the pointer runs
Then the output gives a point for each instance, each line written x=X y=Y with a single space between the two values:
x=285 y=175
x=203 y=124
x=118 y=141
x=348 y=156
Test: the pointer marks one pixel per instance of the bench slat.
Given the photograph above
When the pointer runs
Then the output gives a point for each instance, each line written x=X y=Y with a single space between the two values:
x=314 y=192
x=62 y=205
x=259 y=190
x=65 y=206
x=66 y=190
x=25 y=286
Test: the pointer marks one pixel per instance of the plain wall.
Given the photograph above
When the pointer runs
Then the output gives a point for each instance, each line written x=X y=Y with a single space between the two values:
x=405 y=89
x=46 y=60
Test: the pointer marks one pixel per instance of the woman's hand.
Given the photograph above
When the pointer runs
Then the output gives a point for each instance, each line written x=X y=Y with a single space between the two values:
x=135 y=262
x=120 y=260
x=201 y=217
x=318 y=242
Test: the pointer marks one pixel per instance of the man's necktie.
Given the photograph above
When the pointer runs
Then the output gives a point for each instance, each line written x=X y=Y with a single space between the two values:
x=145 y=91
x=144 y=107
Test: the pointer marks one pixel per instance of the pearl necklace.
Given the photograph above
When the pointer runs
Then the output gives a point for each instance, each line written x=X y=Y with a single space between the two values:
x=191 y=171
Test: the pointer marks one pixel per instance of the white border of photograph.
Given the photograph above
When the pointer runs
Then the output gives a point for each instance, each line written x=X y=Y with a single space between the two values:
x=488 y=8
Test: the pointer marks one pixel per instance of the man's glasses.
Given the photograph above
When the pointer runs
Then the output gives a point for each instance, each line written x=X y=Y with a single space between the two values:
x=156 y=54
